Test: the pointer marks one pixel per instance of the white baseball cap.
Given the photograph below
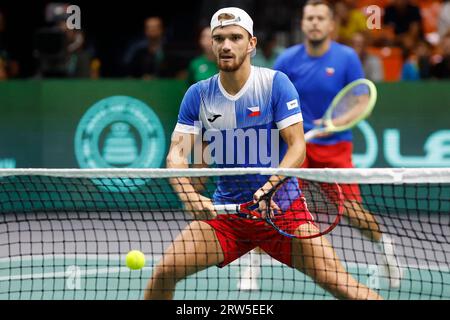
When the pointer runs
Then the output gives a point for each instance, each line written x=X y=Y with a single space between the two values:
x=241 y=18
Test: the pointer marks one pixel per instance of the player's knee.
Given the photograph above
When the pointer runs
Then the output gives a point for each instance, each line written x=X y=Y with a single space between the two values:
x=167 y=273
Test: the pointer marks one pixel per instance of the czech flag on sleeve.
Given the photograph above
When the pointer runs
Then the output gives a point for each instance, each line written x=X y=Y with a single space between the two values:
x=254 y=112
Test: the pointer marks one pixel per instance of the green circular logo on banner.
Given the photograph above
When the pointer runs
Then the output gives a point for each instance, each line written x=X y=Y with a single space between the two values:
x=119 y=132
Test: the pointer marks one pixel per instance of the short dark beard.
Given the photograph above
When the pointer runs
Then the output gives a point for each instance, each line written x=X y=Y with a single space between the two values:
x=316 y=43
x=232 y=68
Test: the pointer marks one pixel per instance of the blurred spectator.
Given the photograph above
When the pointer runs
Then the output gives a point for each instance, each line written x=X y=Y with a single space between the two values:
x=2 y=30
x=95 y=68
x=3 y=72
x=372 y=65
x=417 y=64
x=204 y=66
x=444 y=18
x=147 y=59
x=405 y=19
x=349 y=20
x=62 y=52
x=267 y=51
x=442 y=69
x=79 y=59
x=8 y=67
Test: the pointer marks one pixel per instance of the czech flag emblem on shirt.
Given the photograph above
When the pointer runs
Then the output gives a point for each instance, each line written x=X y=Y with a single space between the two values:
x=330 y=71
x=254 y=112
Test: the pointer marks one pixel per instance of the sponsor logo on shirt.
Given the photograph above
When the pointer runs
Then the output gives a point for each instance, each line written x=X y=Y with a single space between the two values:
x=292 y=104
x=214 y=117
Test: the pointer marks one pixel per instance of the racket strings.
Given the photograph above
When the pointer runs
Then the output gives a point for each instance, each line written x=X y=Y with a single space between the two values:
x=324 y=202
x=318 y=203
x=348 y=103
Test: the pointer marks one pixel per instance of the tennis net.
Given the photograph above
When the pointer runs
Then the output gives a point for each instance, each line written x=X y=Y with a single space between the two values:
x=64 y=234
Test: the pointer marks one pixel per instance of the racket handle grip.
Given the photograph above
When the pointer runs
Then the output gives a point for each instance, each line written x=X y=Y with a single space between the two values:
x=226 y=208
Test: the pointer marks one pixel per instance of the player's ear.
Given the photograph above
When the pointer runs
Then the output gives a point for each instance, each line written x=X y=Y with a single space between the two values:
x=333 y=25
x=332 y=22
x=252 y=44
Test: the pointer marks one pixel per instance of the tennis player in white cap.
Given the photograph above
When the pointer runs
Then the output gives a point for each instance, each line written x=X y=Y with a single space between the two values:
x=240 y=99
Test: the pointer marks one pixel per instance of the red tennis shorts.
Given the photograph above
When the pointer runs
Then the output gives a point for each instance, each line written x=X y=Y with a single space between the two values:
x=237 y=236
x=337 y=155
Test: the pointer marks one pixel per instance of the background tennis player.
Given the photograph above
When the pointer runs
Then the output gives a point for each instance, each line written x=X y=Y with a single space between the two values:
x=319 y=69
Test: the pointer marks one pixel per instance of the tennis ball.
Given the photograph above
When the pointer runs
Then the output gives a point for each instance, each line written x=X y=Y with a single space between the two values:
x=135 y=260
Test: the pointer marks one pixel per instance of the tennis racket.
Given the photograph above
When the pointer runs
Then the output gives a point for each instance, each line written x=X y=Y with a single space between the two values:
x=351 y=105
x=324 y=201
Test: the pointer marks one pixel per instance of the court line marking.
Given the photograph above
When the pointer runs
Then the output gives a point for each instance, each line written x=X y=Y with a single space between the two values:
x=151 y=258
x=66 y=256
x=114 y=270
x=64 y=274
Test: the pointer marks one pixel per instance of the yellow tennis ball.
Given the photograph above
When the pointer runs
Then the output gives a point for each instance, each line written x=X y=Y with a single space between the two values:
x=135 y=260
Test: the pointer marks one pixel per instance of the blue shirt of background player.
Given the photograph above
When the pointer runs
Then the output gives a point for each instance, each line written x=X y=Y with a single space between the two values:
x=268 y=101
x=319 y=79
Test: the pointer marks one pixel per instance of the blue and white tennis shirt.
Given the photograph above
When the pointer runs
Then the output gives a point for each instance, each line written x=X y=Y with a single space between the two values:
x=241 y=130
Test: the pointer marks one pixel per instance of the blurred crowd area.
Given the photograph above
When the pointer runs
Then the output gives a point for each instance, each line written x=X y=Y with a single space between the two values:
x=411 y=42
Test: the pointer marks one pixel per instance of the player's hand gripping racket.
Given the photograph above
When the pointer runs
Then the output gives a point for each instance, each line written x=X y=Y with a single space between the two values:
x=325 y=203
x=351 y=105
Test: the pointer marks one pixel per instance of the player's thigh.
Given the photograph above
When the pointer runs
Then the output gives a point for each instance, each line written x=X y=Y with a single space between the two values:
x=354 y=208
x=194 y=249
x=315 y=257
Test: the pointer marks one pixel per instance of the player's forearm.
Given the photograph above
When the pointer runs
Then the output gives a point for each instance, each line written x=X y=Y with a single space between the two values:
x=294 y=158
x=353 y=113
x=295 y=155
x=199 y=183
x=296 y=151
x=182 y=185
